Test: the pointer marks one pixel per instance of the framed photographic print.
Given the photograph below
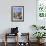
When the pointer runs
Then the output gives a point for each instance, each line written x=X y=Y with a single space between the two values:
x=17 y=13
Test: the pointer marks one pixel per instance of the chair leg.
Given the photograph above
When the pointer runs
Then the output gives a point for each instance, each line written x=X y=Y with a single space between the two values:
x=5 y=40
x=17 y=39
x=5 y=43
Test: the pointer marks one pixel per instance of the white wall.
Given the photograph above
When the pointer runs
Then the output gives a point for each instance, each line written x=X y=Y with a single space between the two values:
x=29 y=15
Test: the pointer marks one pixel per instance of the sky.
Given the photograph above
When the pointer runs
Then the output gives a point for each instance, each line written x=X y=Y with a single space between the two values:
x=18 y=9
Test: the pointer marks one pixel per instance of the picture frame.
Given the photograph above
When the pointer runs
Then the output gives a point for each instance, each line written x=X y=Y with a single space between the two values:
x=17 y=13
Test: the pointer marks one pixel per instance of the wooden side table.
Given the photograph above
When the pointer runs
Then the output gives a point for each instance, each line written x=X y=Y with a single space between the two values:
x=8 y=34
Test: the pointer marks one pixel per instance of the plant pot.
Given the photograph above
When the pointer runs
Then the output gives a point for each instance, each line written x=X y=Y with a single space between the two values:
x=38 y=40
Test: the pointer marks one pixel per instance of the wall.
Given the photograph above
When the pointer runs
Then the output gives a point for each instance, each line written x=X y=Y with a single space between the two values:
x=29 y=15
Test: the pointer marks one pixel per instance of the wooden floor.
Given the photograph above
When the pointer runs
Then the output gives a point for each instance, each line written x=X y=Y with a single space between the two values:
x=13 y=44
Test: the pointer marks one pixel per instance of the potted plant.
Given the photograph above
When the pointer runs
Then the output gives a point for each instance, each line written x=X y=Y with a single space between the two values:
x=39 y=35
